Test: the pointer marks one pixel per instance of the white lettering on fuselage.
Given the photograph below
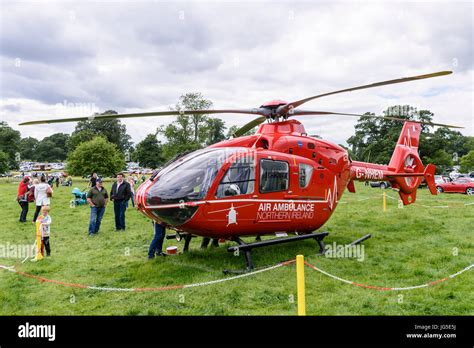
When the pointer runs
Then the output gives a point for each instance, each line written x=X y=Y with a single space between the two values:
x=368 y=173
x=285 y=211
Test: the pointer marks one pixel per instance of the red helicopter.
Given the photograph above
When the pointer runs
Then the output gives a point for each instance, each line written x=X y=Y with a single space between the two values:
x=276 y=180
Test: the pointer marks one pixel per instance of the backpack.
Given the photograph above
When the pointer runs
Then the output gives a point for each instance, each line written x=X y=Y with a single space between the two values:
x=30 y=194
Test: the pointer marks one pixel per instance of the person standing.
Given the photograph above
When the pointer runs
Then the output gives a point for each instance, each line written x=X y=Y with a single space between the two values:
x=97 y=197
x=22 y=197
x=43 y=192
x=120 y=194
x=156 y=246
x=93 y=180
x=131 y=182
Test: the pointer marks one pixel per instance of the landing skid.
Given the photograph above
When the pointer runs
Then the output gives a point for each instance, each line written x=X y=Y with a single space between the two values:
x=247 y=247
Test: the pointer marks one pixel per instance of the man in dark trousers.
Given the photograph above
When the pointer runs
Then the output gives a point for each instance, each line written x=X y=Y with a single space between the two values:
x=156 y=246
x=120 y=194
x=97 y=199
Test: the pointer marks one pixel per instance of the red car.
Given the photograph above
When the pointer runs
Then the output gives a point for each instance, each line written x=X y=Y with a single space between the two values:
x=461 y=185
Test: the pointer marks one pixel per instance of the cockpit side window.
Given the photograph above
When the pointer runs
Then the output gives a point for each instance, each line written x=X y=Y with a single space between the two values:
x=238 y=180
x=274 y=176
x=305 y=173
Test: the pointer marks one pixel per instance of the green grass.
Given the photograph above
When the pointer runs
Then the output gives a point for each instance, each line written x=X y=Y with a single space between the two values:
x=409 y=246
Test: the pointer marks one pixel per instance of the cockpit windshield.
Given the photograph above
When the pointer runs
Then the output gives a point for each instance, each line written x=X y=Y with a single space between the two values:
x=190 y=177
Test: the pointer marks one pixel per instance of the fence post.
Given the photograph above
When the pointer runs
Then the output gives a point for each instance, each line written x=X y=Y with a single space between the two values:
x=300 y=286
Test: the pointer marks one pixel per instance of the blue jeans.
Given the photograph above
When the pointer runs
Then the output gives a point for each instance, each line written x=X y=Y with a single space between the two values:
x=156 y=245
x=96 y=217
x=119 y=211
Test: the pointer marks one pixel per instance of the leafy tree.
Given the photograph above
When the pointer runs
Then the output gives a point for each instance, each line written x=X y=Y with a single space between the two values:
x=78 y=138
x=27 y=148
x=97 y=155
x=467 y=162
x=10 y=143
x=190 y=132
x=149 y=152
x=52 y=148
x=441 y=159
x=194 y=101
x=469 y=145
x=214 y=131
x=446 y=139
x=374 y=139
x=4 y=162
x=112 y=129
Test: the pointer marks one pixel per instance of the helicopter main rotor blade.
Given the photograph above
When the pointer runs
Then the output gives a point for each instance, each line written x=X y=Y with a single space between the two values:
x=254 y=111
x=252 y=124
x=308 y=113
x=286 y=108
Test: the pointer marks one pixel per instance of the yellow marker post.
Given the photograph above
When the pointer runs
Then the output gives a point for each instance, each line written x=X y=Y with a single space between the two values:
x=39 y=255
x=300 y=285
x=384 y=201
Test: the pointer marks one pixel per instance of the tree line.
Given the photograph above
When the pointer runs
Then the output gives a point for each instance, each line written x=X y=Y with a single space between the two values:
x=104 y=145
x=374 y=140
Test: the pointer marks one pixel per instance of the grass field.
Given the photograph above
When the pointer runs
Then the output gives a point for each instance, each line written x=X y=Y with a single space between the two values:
x=410 y=246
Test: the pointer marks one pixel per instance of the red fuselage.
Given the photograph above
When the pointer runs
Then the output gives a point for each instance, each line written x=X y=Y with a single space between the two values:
x=277 y=180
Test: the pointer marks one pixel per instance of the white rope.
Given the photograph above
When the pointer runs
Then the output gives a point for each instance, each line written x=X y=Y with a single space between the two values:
x=234 y=277
x=170 y=287
x=387 y=288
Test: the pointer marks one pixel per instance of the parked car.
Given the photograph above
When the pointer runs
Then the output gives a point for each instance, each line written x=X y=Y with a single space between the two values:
x=461 y=185
x=382 y=184
x=471 y=174
x=441 y=179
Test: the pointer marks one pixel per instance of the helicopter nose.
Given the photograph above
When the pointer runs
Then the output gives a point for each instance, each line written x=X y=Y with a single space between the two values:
x=151 y=202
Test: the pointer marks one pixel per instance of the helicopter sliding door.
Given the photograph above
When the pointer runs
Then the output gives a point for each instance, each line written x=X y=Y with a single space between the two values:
x=290 y=194
x=231 y=201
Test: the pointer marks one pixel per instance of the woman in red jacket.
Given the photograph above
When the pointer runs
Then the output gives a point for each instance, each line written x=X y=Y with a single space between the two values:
x=22 y=197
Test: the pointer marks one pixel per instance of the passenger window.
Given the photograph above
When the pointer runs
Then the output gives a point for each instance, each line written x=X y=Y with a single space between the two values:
x=273 y=176
x=306 y=171
x=238 y=180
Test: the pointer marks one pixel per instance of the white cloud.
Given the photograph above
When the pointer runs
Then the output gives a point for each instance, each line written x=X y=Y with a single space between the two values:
x=141 y=56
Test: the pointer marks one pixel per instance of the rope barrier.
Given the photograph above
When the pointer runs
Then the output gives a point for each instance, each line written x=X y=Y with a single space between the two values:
x=381 y=288
x=212 y=282
x=162 y=288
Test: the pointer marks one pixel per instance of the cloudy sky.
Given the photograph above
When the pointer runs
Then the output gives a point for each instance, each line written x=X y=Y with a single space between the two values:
x=66 y=59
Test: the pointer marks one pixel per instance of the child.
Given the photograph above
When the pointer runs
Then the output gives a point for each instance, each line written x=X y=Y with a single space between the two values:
x=43 y=225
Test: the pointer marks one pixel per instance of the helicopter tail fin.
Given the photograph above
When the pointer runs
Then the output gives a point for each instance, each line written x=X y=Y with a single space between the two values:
x=406 y=171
